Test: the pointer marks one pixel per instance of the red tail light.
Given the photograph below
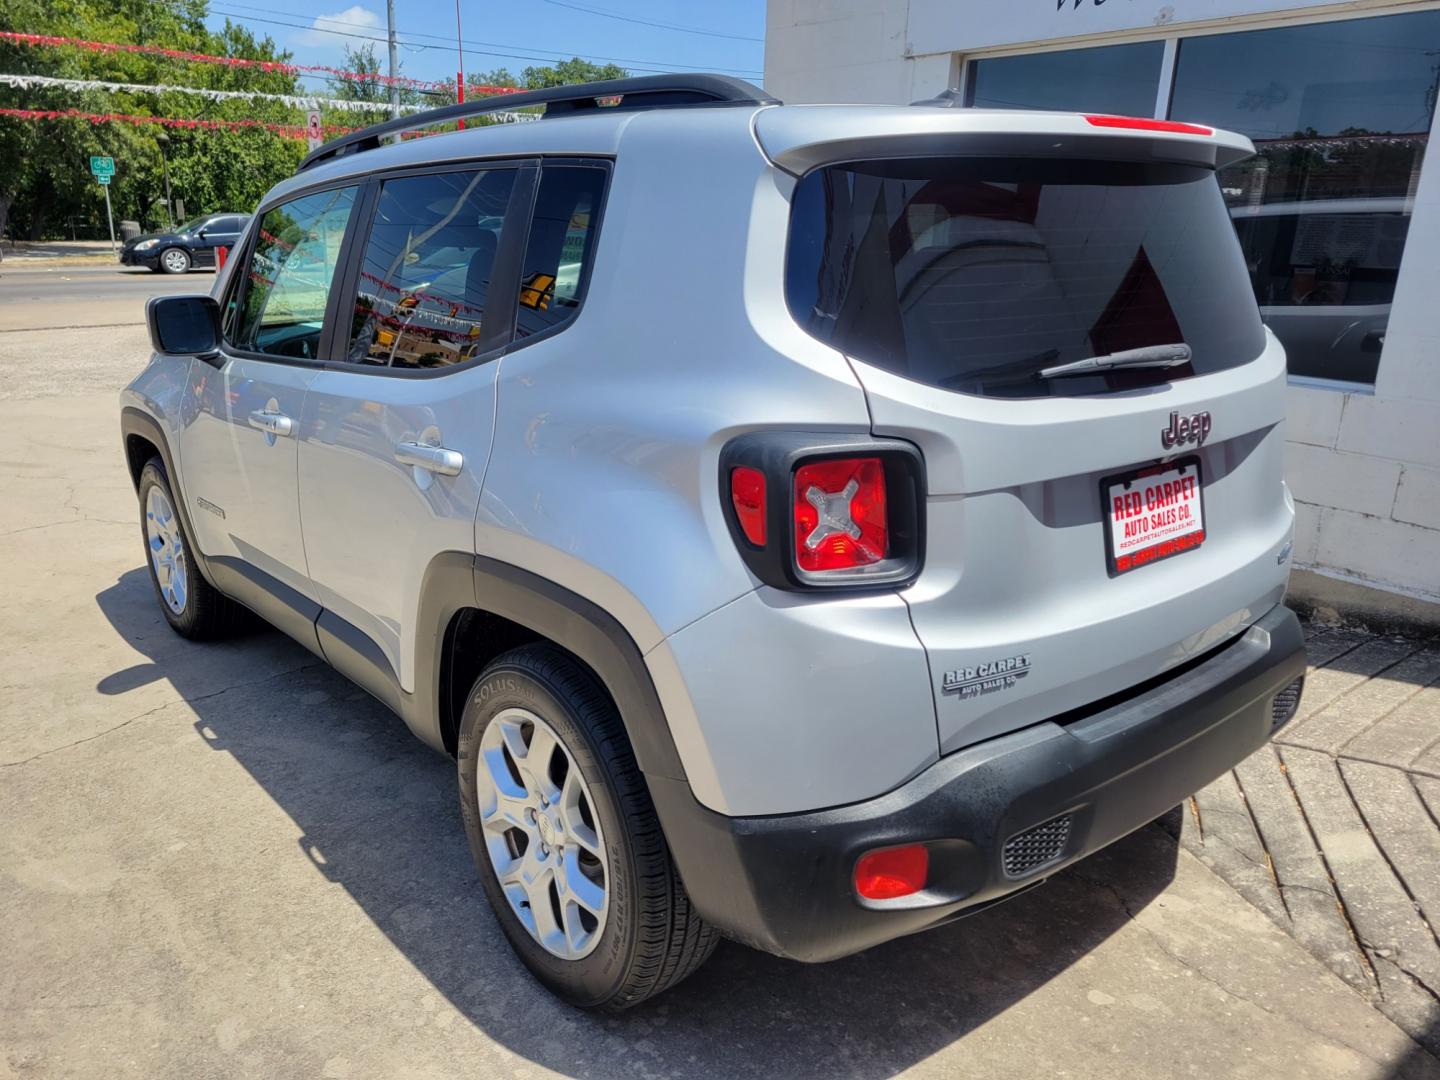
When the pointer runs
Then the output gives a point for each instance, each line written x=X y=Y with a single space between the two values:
x=840 y=521
x=747 y=492
x=892 y=872
x=1142 y=123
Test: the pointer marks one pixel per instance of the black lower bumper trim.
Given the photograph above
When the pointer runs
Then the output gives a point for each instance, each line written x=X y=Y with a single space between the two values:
x=784 y=884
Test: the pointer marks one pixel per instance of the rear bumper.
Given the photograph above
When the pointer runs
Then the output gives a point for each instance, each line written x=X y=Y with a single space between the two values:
x=784 y=884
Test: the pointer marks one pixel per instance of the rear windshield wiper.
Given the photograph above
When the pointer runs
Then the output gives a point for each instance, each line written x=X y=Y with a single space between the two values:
x=1151 y=356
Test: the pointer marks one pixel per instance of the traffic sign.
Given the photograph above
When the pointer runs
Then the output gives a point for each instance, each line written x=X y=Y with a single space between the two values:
x=103 y=178
x=102 y=166
x=314 y=131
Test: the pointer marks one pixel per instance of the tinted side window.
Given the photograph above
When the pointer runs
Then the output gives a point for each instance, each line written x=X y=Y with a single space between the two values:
x=561 y=247
x=225 y=225
x=425 y=282
x=282 y=309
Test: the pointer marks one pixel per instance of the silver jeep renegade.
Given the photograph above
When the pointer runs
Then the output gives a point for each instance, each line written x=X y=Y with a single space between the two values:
x=802 y=525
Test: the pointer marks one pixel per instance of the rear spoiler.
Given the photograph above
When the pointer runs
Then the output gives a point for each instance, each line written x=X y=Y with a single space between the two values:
x=800 y=138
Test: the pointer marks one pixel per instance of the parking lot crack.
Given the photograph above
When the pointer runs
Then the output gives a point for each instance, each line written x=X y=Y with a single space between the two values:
x=151 y=712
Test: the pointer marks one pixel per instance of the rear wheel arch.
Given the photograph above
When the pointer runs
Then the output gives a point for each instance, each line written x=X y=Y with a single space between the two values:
x=513 y=607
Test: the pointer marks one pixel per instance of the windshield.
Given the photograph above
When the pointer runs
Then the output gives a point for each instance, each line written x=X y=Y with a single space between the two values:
x=973 y=274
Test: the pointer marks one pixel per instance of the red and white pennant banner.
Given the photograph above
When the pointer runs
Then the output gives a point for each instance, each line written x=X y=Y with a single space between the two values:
x=53 y=41
x=28 y=82
x=289 y=131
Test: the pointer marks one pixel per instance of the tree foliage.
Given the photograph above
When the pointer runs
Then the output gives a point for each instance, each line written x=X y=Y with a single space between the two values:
x=45 y=182
x=565 y=73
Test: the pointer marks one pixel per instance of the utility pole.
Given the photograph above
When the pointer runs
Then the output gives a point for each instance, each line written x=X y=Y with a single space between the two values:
x=162 y=140
x=460 y=53
x=394 y=86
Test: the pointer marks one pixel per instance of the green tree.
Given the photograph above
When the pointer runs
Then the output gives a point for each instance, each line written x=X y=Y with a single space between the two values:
x=565 y=73
x=45 y=180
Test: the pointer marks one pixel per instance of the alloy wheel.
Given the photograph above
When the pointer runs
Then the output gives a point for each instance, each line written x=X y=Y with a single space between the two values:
x=542 y=833
x=167 y=550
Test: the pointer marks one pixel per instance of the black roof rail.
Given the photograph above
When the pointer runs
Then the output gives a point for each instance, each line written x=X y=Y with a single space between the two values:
x=647 y=92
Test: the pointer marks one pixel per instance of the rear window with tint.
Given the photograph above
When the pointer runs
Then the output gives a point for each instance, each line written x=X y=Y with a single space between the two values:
x=972 y=274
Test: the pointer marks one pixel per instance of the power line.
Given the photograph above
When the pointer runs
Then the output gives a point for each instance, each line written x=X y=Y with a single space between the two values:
x=649 y=22
x=476 y=46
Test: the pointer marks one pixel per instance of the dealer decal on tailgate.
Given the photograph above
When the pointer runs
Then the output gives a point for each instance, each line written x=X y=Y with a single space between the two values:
x=1152 y=514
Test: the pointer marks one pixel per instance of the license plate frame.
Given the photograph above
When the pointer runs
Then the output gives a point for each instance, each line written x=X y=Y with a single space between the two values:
x=1150 y=554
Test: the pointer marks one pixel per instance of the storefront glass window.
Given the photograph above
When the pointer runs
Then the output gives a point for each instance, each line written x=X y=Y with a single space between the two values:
x=1121 y=79
x=1340 y=113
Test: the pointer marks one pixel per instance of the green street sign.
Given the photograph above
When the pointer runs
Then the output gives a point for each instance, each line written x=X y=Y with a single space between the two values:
x=104 y=178
x=102 y=166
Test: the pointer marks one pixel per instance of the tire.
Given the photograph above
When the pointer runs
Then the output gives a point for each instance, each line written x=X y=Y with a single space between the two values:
x=175 y=261
x=195 y=609
x=651 y=937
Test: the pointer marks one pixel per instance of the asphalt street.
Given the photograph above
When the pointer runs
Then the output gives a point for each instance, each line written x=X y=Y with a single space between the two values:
x=39 y=296
x=224 y=860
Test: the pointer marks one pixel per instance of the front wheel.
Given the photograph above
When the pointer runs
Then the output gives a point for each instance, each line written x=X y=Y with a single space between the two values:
x=191 y=605
x=175 y=261
x=565 y=837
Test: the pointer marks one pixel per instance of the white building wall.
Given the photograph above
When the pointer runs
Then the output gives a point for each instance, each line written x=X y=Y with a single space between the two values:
x=1364 y=468
x=852 y=51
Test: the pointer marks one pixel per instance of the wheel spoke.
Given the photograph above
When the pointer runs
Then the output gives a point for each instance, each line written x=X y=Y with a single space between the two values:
x=571 y=799
x=538 y=892
x=506 y=813
x=580 y=888
x=576 y=936
x=498 y=773
x=543 y=746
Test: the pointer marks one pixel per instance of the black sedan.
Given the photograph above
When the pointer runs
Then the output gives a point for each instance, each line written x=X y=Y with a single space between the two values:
x=191 y=245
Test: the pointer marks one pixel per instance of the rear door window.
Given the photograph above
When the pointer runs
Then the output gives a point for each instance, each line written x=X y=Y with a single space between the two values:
x=972 y=274
x=561 y=247
x=424 y=296
x=292 y=265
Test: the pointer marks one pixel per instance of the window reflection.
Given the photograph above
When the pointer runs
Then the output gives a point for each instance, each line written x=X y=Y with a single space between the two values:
x=426 y=276
x=288 y=280
x=1123 y=79
x=560 y=248
x=1340 y=112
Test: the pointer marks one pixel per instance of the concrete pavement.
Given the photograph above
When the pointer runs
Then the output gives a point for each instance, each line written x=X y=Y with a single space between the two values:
x=1335 y=830
x=225 y=860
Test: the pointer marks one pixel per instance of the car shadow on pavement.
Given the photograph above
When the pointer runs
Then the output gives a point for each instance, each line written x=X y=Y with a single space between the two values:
x=380 y=818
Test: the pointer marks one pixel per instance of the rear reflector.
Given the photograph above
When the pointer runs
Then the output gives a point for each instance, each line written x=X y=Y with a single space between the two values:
x=840 y=520
x=892 y=872
x=1141 y=123
x=747 y=492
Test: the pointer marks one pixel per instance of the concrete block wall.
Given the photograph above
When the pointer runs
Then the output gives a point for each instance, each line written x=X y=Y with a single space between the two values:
x=1365 y=473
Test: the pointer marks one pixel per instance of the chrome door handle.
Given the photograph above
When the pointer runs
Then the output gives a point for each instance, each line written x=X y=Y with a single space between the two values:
x=435 y=459
x=272 y=422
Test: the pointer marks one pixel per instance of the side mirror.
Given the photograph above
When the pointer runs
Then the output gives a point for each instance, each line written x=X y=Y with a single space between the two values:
x=184 y=325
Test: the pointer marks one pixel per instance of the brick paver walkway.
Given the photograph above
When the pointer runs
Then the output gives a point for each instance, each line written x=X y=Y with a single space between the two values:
x=1334 y=830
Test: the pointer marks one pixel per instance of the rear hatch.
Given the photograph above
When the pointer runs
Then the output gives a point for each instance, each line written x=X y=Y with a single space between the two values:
x=1084 y=532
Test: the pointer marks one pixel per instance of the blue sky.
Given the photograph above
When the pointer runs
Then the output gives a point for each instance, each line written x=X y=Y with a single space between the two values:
x=722 y=35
